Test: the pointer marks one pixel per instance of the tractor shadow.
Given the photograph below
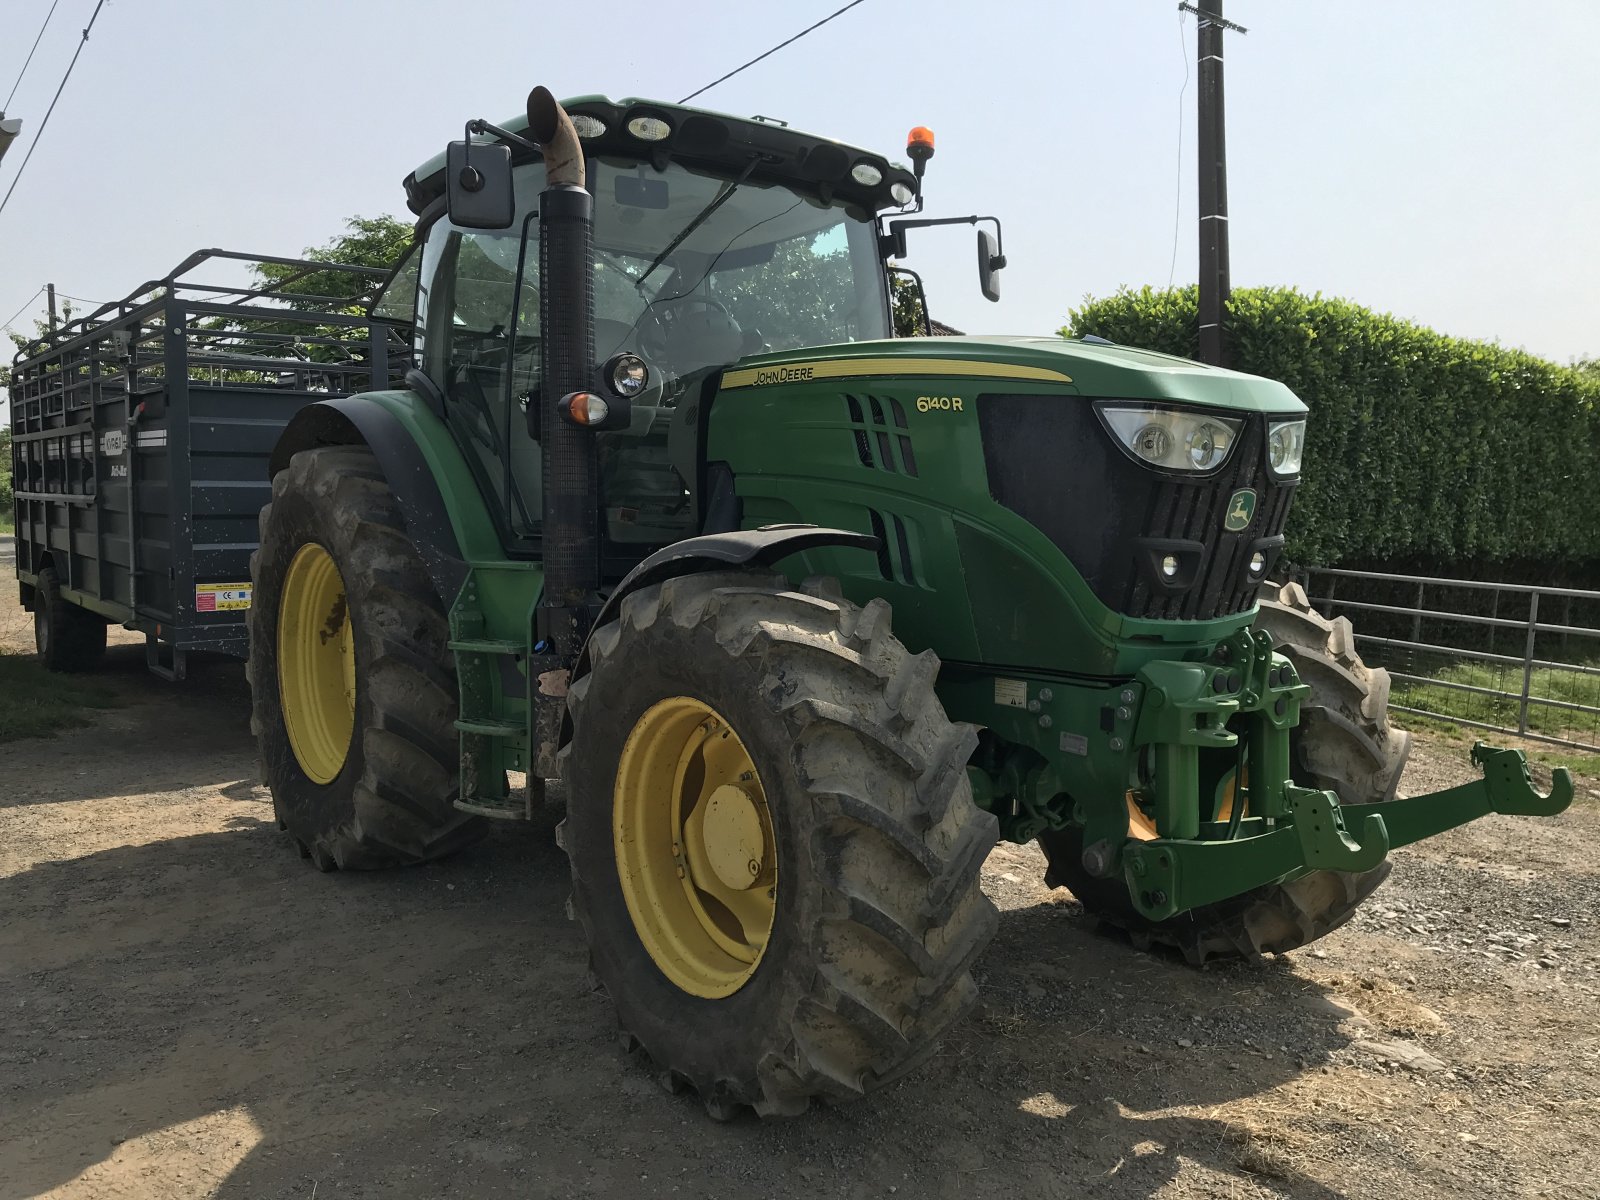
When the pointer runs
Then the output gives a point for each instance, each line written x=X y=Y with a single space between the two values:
x=187 y=1008
x=210 y=1001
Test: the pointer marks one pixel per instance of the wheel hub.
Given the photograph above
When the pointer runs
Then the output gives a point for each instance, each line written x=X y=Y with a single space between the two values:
x=730 y=841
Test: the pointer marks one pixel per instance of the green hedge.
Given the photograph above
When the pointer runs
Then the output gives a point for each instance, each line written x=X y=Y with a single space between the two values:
x=1422 y=449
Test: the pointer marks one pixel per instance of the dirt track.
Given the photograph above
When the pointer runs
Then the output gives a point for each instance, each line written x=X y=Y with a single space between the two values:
x=186 y=1010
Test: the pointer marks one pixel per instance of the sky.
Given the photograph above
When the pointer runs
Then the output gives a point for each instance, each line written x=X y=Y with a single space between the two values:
x=1440 y=161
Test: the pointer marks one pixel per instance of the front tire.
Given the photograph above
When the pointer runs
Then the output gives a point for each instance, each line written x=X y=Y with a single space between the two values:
x=870 y=842
x=352 y=680
x=1344 y=744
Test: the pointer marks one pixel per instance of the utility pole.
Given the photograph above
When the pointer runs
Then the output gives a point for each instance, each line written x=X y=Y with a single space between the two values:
x=50 y=290
x=1215 y=283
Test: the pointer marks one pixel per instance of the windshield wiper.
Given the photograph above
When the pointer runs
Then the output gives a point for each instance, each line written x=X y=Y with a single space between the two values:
x=717 y=202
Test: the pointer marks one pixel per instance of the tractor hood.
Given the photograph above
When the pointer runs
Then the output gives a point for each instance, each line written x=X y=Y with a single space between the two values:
x=1087 y=368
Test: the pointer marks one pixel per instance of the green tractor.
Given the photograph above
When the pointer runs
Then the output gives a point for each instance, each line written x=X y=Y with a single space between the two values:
x=796 y=618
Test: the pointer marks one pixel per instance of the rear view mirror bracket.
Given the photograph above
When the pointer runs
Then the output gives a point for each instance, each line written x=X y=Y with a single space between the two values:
x=991 y=256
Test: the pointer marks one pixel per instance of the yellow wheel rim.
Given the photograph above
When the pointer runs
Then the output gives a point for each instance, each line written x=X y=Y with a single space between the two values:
x=695 y=852
x=316 y=663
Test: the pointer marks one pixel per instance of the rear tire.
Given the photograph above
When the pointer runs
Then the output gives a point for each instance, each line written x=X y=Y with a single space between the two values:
x=876 y=844
x=390 y=800
x=67 y=637
x=1344 y=744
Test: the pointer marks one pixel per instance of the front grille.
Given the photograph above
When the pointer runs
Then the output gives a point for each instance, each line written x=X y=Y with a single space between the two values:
x=1050 y=461
x=1194 y=512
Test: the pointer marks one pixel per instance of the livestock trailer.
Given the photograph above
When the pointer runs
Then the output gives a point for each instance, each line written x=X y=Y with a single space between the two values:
x=140 y=437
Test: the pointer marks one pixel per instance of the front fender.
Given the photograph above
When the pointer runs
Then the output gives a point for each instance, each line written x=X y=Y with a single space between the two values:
x=739 y=548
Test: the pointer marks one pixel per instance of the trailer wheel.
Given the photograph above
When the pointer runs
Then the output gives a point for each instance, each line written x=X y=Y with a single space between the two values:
x=774 y=847
x=1344 y=743
x=67 y=637
x=352 y=680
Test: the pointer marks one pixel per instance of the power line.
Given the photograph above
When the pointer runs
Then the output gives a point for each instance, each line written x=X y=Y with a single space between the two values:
x=29 y=59
x=99 y=4
x=24 y=308
x=773 y=51
x=1177 y=200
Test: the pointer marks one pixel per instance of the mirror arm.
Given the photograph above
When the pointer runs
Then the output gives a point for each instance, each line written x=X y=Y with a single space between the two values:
x=480 y=126
x=892 y=244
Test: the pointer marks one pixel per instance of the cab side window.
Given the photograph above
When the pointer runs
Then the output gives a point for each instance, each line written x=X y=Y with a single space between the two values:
x=467 y=309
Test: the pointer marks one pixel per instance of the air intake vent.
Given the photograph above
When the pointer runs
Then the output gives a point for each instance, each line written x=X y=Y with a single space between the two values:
x=880 y=432
x=894 y=547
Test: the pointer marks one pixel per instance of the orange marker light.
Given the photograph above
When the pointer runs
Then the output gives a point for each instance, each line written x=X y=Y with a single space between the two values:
x=919 y=142
x=584 y=408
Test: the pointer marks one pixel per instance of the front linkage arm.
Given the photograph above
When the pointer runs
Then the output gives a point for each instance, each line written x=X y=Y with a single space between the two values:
x=1169 y=876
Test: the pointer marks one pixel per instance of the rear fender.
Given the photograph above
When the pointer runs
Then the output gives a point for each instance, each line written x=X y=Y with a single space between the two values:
x=443 y=508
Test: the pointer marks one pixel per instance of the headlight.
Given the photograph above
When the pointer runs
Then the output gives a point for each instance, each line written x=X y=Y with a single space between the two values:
x=1171 y=439
x=626 y=374
x=649 y=129
x=1286 y=445
x=866 y=174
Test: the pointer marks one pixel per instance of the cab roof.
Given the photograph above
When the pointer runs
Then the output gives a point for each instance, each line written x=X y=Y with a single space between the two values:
x=715 y=141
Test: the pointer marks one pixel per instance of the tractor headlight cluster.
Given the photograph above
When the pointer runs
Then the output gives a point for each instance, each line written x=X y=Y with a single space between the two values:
x=1286 y=444
x=1172 y=439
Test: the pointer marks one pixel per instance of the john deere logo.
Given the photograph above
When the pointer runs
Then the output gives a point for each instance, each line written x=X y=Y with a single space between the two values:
x=1241 y=510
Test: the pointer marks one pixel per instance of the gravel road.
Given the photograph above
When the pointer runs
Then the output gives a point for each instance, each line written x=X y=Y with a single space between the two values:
x=190 y=1011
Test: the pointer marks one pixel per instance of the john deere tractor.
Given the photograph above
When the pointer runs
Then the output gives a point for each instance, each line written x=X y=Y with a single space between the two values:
x=797 y=618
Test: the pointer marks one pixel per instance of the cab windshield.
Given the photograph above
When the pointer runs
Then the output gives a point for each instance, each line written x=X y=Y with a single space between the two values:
x=692 y=272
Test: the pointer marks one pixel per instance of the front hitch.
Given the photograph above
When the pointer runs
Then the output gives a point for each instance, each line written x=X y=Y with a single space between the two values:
x=1167 y=876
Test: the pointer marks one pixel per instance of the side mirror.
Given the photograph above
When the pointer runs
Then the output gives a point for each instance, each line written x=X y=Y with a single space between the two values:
x=990 y=260
x=478 y=185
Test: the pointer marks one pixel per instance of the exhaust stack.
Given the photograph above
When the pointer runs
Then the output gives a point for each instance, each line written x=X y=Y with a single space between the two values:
x=571 y=534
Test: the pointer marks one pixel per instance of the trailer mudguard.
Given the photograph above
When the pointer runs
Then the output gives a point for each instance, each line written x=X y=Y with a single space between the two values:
x=420 y=461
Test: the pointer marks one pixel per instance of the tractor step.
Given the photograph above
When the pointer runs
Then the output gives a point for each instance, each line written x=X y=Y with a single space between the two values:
x=513 y=807
x=488 y=727
x=488 y=646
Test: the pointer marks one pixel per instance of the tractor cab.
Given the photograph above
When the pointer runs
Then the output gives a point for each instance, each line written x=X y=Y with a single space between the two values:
x=714 y=238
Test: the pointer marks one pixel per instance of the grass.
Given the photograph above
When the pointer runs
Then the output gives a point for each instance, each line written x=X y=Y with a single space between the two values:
x=38 y=703
x=1583 y=765
x=1549 y=683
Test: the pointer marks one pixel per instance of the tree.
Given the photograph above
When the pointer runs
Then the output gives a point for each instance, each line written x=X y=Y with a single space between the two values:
x=5 y=476
x=905 y=303
x=376 y=242
x=373 y=242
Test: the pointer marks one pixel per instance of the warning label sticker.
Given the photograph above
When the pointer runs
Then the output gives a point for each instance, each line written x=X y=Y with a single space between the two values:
x=221 y=597
x=1012 y=693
